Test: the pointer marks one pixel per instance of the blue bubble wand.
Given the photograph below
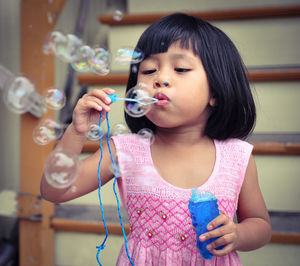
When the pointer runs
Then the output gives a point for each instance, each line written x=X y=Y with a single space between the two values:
x=143 y=100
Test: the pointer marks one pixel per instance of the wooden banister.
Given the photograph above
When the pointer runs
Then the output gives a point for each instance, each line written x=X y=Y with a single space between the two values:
x=254 y=75
x=211 y=15
x=276 y=148
x=65 y=225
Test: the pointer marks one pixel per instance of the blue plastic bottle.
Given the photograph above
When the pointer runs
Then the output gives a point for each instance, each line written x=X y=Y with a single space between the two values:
x=203 y=209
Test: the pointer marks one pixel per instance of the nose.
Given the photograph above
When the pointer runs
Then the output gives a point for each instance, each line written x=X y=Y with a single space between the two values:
x=161 y=81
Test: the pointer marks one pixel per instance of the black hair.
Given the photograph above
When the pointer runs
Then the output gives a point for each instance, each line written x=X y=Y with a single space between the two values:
x=234 y=114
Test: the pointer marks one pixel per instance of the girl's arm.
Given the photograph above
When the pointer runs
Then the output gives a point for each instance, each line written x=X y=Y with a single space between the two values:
x=253 y=229
x=86 y=112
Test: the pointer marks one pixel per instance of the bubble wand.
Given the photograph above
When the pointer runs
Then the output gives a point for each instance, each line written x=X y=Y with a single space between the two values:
x=143 y=100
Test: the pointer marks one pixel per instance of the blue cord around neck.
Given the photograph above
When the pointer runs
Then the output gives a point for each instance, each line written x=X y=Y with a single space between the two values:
x=102 y=246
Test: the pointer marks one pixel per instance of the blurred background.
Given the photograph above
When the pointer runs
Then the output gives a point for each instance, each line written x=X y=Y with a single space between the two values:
x=267 y=34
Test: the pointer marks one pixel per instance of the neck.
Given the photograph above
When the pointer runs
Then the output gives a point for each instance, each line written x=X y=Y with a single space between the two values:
x=187 y=136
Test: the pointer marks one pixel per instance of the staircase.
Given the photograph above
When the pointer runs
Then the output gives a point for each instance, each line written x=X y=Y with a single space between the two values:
x=268 y=39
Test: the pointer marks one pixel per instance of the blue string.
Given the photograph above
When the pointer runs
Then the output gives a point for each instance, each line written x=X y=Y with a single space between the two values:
x=114 y=188
x=102 y=246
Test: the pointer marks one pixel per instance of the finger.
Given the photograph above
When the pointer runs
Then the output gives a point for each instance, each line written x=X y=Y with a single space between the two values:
x=100 y=101
x=220 y=231
x=84 y=104
x=226 y=226
x=109 y=90
x=224 y=251
x=219 y=220
x=221 y=241
x=101 y=105
x=102 y=94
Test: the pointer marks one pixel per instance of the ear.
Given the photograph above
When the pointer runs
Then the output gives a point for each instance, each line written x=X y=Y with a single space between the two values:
x=212 y=101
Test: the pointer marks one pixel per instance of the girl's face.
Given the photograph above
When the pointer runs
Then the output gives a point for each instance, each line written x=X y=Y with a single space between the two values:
x=178 y=80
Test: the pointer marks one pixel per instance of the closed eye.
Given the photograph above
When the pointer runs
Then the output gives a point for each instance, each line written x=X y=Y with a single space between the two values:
x=182 y=70
x=148 y=72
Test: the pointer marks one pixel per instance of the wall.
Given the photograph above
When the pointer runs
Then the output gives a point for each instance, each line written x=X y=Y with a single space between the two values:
x=10 y=126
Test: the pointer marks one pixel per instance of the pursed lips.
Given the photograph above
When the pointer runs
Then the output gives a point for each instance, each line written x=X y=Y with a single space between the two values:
x=162 y=99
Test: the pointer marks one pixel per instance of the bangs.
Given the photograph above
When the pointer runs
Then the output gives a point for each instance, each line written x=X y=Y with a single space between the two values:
x=163 y=33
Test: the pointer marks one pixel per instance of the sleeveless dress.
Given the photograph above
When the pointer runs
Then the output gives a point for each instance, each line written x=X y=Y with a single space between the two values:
x=161 y=231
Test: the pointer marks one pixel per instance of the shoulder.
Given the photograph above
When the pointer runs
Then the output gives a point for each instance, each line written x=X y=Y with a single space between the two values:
x=235 y=152
x=234 y=145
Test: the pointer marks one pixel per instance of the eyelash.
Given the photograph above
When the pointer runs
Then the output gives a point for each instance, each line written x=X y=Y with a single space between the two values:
x=180 y=70
x=148 y=72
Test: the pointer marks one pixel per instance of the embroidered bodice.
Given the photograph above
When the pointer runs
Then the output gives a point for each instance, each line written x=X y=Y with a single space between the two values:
x=160 y=223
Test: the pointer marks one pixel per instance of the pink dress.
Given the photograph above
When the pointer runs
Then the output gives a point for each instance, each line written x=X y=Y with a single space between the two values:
x=161 y=232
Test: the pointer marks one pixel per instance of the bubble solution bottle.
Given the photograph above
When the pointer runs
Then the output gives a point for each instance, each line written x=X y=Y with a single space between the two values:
x=203 y=209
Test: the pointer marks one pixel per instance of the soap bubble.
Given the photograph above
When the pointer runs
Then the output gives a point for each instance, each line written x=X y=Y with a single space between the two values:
x=55 y=41
x=118 y=15
x=127 y=55
x=63 y=46
x=51 y=39
x=140 y=108
x=47 y=131
x=146 y=134
x=93 y=133
x=119 y=129
x=100 y=61
x=16 y=94
x=81 y=64
x=62 y=168
x=54 y=99
x=68 y=51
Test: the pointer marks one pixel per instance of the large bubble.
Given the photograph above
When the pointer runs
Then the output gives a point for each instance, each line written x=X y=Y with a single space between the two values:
x=69 y=52
x=94 y=134
x=17 y=93
x=81 y=64
x=138 y=101
x=47 y=131
x=62 y=168
x=55 y=40
x=54 y=99
x=70 y=49
x=65 y=47
x=119 y=129
x=99 y=63
x=146 y=134
x=127 y=55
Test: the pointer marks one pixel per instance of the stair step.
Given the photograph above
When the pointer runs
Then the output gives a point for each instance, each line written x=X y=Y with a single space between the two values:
x=255 y=75
x=213 y=15
x=85 y=218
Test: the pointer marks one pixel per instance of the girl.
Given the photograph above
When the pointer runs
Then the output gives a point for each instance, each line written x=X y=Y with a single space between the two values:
x=204 y=110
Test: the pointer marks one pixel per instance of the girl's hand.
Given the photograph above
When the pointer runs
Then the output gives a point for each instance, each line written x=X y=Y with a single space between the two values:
x=87 y=109
x=227 y=235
